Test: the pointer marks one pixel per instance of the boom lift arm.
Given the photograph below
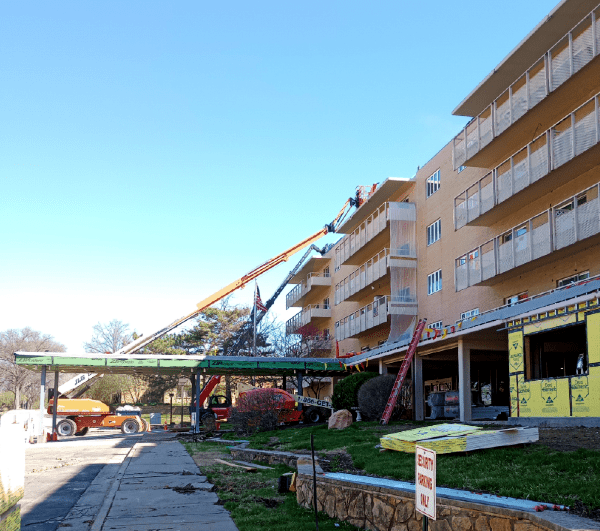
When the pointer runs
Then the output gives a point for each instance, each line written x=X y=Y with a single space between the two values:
x=240 y=282
x=247 y=328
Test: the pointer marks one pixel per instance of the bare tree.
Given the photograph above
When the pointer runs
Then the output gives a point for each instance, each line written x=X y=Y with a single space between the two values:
x=19 y=379
x=109 y=338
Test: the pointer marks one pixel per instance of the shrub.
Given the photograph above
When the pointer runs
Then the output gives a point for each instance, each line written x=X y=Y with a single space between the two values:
x=374 y=395
x=256 y=411
x=345 y=394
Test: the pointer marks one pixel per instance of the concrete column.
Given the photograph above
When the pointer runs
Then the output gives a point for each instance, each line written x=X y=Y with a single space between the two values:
x=42 y=400
x=382 y=367
x=55 y=402
x=418 y=387
x=464 y=380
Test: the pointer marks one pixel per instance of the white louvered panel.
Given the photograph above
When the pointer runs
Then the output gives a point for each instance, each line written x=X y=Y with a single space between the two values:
x=540 y=240
x=505 y=257
x=522 y=250
x=537 y=86
x=520 y=176
x=473 y=206
x=564 y=229
x=472 y=140
x=519 y=103
x=362 y=280
x=460 y=155
x=585 y=132
x=460 y=214
x=561 y=66
x=538 y=161
x=583 y=51
x=488 y=265
x=461 y=277
x=562 y=147
x=487 y=196
x=502 y=117
x=588 y=223
x=503 y=183
x=474 y=271
x=485 y=131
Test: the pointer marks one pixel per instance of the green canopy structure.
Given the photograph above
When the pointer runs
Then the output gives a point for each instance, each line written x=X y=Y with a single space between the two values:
x=149 y=364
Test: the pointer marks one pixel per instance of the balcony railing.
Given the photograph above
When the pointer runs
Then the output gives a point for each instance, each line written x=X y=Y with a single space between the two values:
x=363 y=319
x=372 y=270
x=305 y=316
x=364 y=233
x=573 y=220
x=576 y=49
x=302 y=289
x=570 y=137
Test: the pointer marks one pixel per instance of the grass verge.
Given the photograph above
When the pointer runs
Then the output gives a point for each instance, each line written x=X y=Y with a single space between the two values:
x=534 y=472
x=252 y=498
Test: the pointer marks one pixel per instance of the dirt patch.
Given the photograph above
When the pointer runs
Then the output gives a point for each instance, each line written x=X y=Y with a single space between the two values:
x=570 y=439
x=208 y=458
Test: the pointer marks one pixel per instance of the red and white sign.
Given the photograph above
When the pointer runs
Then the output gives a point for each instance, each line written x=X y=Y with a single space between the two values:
x=425 y=460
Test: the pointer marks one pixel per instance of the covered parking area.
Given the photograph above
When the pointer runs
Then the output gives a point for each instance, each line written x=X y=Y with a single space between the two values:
x=184 y=365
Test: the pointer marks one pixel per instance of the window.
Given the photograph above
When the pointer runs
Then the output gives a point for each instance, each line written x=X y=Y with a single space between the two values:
x=433 y=183
x=515 y=299
x=434 y=282
x=556 y=353
x=326 y=303
x=326 y=272
x=470 y=313
x=460 y=168
x=437 y=324
x=434 y=232
x=571 y=280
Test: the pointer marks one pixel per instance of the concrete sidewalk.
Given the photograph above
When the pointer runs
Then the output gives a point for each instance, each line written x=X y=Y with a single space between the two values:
x=143 y=495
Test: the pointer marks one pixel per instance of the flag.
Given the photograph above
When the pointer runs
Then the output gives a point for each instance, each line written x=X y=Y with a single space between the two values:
x=258 y=302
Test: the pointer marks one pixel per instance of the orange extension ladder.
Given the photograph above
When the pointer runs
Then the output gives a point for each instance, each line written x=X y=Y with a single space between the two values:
x=412 y=348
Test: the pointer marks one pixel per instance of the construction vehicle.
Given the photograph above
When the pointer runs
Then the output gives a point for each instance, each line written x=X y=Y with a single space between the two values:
x=219 y=407
x=79 y=415
x=82 y=416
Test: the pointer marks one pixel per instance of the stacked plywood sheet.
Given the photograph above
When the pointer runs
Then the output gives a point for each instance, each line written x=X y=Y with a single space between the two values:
x=450 y=438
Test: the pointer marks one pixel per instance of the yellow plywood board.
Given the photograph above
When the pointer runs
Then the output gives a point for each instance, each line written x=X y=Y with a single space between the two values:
x=514 y=397
x=443 y=438
x=549 y=324
x=431 y=432
x=544 y=398
x=593 y=337
x=515 y=351
x=585 y=394
x=475 y=440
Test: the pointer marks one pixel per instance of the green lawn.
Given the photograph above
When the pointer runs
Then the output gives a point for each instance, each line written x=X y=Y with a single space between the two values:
x=534 y=472
x=253 y=500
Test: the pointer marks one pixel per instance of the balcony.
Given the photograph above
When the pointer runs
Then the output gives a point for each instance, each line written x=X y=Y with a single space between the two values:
x=364 y=319
x=551 y=231
x=310 y=315
x=315 y=284
x=372 y=229
x=356 y=285
x=547 y=160
x=526 y=100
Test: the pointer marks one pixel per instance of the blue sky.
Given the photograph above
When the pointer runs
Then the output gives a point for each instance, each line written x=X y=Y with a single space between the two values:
x=152 y=152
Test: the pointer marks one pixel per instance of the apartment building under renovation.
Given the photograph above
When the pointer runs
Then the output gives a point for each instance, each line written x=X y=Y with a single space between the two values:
x=495 y=241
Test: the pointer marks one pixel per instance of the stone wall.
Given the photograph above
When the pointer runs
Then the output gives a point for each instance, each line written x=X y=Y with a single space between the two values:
x=266 y=456
x=385 y=509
